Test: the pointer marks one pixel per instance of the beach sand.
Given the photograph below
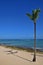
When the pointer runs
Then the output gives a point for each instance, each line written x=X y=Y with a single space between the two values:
x=18 y=57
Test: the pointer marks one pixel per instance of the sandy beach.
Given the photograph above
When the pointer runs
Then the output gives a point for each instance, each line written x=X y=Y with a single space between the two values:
x=18 y=57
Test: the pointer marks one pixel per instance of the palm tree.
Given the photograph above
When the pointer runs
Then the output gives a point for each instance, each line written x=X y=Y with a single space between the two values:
x=34 y=16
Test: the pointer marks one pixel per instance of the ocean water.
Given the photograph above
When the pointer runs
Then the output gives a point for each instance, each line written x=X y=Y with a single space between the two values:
x=28 y=43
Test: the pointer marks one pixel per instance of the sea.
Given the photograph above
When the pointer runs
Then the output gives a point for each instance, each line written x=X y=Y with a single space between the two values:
x=27 y=43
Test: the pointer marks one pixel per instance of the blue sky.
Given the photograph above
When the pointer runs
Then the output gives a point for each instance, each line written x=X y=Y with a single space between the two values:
x=14 y=24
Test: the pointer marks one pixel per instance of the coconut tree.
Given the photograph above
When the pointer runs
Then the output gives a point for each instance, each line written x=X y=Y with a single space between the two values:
x=34 y=16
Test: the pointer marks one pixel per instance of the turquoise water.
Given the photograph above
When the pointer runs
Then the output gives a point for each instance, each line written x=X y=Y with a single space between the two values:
x=28 y=43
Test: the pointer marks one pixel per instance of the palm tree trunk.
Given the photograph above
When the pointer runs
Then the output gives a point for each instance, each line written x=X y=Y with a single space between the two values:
x=34 y=59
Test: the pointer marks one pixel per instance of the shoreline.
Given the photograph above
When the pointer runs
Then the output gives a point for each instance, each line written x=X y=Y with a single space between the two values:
x=23 y=48
x=23 y=43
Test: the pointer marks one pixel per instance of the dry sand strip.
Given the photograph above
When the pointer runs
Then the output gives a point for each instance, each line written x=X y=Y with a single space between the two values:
x=17 y=57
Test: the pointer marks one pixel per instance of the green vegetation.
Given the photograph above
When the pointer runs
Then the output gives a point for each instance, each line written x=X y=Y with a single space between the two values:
x=24 y=49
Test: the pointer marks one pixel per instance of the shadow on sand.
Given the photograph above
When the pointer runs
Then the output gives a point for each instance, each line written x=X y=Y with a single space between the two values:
x=23 y=58
x=11 y=52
